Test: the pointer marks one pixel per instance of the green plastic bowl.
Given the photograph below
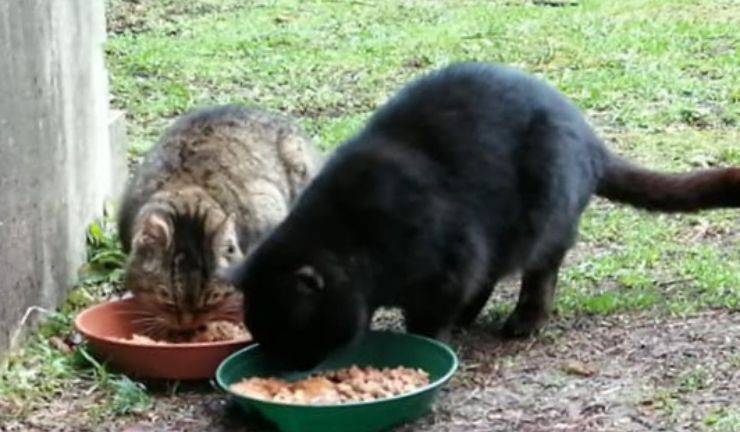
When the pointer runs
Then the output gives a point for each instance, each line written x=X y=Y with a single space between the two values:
x=377 y=349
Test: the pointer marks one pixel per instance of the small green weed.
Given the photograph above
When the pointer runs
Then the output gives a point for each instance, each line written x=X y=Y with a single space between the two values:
x=128 y=396
x=723 y=420
x=105 y=259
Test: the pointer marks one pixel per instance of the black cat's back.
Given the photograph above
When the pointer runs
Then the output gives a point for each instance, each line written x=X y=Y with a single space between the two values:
x=471 y=98
x=502 y=144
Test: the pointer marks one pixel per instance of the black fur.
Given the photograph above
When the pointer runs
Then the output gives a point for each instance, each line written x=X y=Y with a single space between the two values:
x=469 y=174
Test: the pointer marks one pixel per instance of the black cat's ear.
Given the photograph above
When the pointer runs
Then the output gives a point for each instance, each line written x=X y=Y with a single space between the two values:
x=309 y=279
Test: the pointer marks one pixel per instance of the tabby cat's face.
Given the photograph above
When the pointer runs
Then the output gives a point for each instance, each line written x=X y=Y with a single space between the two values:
x=172 y=271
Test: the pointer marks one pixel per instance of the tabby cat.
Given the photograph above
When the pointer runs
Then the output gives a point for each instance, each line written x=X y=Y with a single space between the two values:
x=470 y=173
x=205 y=195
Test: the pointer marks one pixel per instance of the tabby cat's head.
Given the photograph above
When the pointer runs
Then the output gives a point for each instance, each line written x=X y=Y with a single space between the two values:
x=173 y=266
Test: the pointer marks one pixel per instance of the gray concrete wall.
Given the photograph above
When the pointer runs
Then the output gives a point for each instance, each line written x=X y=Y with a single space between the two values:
x=56 y=162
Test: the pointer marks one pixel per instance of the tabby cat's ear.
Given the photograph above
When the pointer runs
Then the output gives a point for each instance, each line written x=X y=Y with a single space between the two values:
x=153 y=231
x=228 y=228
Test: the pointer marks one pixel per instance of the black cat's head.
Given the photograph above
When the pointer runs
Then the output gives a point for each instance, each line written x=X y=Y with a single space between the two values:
x=301 y=302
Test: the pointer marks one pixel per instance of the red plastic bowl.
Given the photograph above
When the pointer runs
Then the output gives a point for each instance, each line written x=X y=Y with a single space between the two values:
x=105 y=325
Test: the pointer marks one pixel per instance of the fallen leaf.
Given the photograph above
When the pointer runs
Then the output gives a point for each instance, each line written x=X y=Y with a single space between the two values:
x=575 y=367
x=60 y=345
x=139 y=428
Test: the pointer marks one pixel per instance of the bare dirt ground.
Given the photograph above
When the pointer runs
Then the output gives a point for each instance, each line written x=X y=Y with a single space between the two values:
x=619 y=373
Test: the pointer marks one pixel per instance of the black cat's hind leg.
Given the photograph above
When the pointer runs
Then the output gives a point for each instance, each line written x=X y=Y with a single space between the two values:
x=435 y=305
x=474 y=306
x=434 y=312
x=535 y=298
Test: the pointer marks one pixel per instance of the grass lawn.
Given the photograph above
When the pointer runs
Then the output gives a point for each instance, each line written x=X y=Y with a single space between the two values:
x=658 y=78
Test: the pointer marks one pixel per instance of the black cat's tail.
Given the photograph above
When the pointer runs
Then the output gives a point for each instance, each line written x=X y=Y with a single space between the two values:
x=703 y=189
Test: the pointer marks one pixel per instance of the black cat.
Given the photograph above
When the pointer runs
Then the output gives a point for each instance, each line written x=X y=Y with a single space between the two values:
x=468 y=174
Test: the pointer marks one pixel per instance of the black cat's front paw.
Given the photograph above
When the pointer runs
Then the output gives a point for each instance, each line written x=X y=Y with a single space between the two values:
x=442 y=334
x=521 y=325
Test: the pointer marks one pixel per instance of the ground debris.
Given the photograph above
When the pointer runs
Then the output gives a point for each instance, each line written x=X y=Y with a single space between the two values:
x=647 y=378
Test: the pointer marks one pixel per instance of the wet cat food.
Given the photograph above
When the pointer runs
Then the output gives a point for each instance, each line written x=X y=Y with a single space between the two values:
x=214 y=331
x=353 y=384
x=221 y=331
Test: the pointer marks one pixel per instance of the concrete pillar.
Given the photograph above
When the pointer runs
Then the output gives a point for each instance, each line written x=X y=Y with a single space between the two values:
x=57 y=165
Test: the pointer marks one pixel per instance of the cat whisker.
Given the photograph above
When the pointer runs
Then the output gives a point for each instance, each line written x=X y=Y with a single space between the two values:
x=229 y=306
x=228 y=316
x=152 y=325
x=147 y=331
x=146 y=320
x=157 y=330
x=136 y=314
x=148 y=328
x=132 y=312
x=229 y=313
x=145 y=316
